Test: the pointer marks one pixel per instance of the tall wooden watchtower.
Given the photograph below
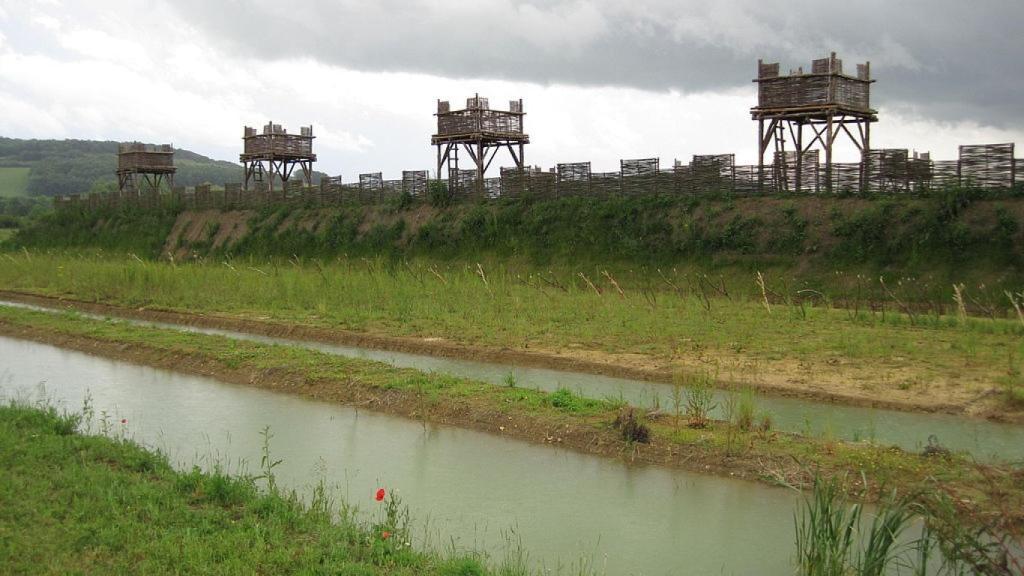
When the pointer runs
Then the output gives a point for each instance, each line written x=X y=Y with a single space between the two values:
x=826 y=100
x=481 y=132
x=148 y=164
x=274 y=154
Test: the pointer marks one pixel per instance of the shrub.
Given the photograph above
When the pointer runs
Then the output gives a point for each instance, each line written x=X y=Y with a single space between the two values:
x=632 y=427
x=746 y=410
x=438 y=194
x=700 y=401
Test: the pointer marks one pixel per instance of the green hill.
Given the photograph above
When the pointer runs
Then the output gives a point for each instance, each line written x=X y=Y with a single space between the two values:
x=60 y=167
x=13 y=181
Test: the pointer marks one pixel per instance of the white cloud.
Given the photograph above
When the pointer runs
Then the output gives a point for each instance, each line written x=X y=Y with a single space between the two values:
x=99 y=45
x=47 y=22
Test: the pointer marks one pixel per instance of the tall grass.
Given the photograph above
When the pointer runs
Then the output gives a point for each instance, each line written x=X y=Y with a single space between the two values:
x=518 y=308
x=700 y=400
x=831 y=539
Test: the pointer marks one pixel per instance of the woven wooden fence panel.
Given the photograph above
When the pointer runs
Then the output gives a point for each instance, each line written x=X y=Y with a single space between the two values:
x=573 y=178
x=846 y=177
x=919 y=174
x=513 y=181
x=370 y=185
x=987 y=165
x=887 y=170
x=945 y=173
x=202 y=197
x=543 y=183
x=605 y=183
x=746 y=180
x=414 y=182
x=390 y=189
x=332 y=189
x=492 y=188
x=233 y=195
x=464 y=184
x=479 y=121
x=293 y=189
x=310 y=195
x=712 y=172
x=784 y=172
x=639 y=175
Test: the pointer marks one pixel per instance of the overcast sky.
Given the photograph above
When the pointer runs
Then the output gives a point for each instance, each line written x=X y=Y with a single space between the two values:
x=601 y=80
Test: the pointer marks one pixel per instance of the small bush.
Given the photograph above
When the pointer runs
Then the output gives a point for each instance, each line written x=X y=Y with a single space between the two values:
x=700 y=401
x=565 y=400
x=438 y=194
x=632 y=427
x=746 y=411
x=66 y=424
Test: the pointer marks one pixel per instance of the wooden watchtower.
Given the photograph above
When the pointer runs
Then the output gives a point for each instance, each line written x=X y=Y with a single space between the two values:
x=148 y=164
x=274 y=154
x=481 y=132
x=827 y=100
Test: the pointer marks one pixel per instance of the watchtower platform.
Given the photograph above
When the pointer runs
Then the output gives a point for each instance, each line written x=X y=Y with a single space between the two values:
x=481 y=132
x=152 y=163
x=274 y=154
x=827 y=100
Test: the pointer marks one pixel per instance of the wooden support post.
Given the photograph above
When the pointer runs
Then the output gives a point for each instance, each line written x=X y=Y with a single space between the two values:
x=799 y=156
x=828 y=154
x=865 y=155
x=760 y=154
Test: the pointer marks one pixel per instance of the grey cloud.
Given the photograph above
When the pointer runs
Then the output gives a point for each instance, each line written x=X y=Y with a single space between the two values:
x=951 y=60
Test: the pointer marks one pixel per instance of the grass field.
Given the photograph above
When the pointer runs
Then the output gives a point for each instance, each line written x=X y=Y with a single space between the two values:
x=875 y=351
x=13 y=181
x=78 y=504
x=6 y=233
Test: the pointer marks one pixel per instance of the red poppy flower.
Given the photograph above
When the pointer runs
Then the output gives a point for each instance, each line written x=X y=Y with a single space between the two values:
x=380 y=495
x=124 y=420
x=385 y=535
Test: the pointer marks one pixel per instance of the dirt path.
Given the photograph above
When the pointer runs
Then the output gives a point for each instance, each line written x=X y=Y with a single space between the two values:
x=838 y=382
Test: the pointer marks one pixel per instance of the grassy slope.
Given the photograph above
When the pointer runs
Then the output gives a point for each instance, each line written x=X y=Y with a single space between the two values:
x=583 y=423
x=72 y=503
x=959 y=236
x=13 y=181
x=866 y=352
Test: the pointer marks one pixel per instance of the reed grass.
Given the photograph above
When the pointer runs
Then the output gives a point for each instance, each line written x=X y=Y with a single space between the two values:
x=831 y=539
x=532 y=310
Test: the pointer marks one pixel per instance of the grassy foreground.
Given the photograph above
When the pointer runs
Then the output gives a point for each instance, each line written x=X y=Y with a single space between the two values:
x=666 y=321
x=738 y=447
x=73 y=504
